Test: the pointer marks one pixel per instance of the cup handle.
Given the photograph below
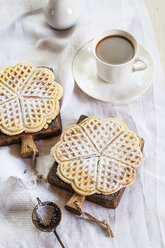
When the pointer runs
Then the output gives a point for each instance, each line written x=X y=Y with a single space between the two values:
x=141 y=67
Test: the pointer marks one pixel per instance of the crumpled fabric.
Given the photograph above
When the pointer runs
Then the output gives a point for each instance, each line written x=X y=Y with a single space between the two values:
x=139 y=220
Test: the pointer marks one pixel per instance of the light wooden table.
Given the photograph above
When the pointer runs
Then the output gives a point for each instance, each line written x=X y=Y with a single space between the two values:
x=156 y=9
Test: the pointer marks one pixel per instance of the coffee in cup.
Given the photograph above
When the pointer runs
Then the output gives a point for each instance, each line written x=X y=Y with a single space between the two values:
x=116 y=53
x=115 y=49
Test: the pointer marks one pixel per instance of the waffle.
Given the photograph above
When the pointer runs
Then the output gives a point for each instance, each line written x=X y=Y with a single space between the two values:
x=29 y=98
x=97 y=156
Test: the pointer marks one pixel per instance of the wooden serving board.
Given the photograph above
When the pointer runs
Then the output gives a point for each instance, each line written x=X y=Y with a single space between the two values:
x=26 y=139
x=107 y=201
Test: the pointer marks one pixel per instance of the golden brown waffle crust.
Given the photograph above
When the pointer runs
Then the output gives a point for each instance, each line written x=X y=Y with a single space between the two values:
x=29 y=98
x=98 y=158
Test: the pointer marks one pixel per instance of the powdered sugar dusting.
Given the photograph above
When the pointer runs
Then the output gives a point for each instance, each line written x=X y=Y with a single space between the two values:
x=45 y=214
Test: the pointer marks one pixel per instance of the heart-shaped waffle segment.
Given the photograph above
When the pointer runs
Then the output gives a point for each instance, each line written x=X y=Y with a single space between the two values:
x=29 y=98
x=97 y=156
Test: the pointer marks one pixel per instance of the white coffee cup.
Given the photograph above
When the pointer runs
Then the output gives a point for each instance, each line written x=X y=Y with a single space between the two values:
x=118 y=73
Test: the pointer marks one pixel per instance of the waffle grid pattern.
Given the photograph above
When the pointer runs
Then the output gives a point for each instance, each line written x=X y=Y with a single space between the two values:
x=29 y=98
x=97 y=156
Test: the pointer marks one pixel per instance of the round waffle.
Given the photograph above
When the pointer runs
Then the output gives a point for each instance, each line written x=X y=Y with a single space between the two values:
x=97 y=156
x=29 y=98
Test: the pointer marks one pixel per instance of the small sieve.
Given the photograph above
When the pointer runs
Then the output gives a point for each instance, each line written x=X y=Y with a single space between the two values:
x=46 y=216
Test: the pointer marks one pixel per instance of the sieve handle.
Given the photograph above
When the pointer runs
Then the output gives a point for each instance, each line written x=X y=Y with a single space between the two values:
x=39 y=201
x=58 y=238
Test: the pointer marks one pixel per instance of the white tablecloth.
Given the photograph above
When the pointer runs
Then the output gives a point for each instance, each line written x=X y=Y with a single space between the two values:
x=139 y=220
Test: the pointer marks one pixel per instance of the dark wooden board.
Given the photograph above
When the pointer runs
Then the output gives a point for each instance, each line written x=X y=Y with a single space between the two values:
x=109 y=201
x=55 y=128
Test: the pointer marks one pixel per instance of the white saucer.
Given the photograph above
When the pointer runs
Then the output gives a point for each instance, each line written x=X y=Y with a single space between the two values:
x=84 y=72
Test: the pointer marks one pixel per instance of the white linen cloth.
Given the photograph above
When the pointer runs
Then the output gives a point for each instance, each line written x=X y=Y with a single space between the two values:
x=139 y=220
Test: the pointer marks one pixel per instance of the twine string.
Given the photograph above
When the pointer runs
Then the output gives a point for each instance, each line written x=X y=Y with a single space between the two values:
x=88 y=216
x=40 y=176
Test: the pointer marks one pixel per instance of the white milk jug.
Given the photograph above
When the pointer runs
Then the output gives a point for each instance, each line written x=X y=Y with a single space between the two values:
x=61 y=14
